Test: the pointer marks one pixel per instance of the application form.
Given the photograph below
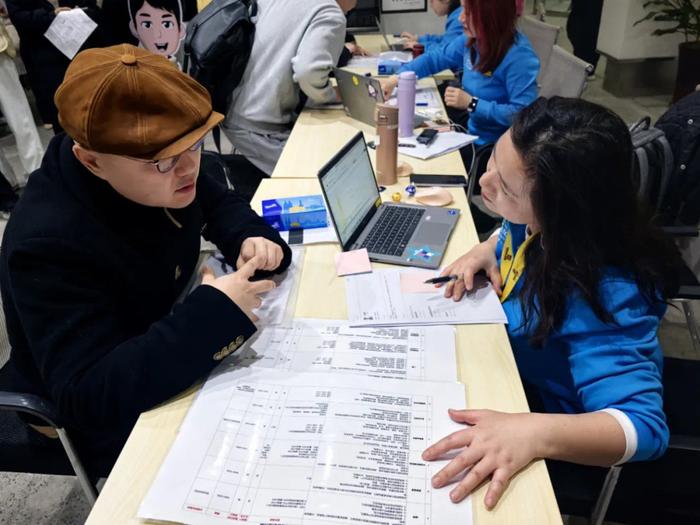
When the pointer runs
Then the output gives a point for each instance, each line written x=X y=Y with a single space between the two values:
x=319 y=345
x=376 y=299
x=266 y=446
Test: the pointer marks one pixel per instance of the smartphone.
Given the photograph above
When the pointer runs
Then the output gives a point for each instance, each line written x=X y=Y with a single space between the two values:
x=438 y=180
x=427 y=136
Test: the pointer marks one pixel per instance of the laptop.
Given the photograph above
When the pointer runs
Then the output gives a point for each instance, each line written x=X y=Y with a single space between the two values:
x=394 y=233
x=398 y=46
x=359 y=95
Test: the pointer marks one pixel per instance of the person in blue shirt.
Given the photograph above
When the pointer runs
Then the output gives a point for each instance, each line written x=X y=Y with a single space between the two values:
x=453 y=27
x=500 y=68
x=583 y=277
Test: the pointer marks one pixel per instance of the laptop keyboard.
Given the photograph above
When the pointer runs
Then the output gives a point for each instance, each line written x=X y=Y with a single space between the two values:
x=391 y=233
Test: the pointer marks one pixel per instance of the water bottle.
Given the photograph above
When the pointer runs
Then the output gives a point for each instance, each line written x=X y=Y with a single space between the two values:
x=407 y=102
x=386 y=118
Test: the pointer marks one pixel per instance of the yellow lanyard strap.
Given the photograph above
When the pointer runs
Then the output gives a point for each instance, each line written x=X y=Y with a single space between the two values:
x=512 y=266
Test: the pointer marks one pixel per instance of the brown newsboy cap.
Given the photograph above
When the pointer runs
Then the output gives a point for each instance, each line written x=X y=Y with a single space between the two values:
x=128 y=101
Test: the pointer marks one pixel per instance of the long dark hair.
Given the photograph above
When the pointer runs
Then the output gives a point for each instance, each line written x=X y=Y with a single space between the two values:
x=578 y=156
x=494 y=27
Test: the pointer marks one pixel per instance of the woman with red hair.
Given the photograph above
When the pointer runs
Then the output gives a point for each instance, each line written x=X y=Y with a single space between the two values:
x=499 y=68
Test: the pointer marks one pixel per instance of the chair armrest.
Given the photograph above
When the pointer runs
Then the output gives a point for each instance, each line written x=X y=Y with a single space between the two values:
x=681 y=231
x=30 y=404
x=683 y=442
x=688 y=292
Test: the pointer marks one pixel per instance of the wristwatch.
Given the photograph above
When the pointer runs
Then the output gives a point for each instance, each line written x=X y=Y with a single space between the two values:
x=472 y=105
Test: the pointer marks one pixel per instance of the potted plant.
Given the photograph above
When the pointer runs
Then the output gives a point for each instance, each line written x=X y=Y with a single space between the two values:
x=685 y=14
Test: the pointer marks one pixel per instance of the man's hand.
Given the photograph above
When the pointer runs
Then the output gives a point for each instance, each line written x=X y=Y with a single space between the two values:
x=269 y=253
x=60 y=9
x=388 y=85
x=238 y=288
x=457 y=98
x=356 y=49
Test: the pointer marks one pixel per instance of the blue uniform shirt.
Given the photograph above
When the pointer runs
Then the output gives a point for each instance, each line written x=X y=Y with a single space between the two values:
x=501 y=93
x=453 y=29
x=588 y=365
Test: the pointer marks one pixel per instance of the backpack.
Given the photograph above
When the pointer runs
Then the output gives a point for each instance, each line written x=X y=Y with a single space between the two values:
x=653 y=168
x=217 y=47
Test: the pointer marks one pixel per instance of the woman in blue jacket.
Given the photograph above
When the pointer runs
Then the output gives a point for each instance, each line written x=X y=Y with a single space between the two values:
x=500 y=68
x=453 y=27
x=583 y=277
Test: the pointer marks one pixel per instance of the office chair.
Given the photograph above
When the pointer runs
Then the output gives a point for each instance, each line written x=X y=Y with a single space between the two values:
x=566 y=75
x=543 y=37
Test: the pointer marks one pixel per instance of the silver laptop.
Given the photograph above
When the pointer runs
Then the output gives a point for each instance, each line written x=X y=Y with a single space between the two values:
x=398 y=46
x=392 y=232
x=359 y=95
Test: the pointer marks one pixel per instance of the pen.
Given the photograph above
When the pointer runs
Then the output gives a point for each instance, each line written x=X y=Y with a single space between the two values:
x=422 y=104
x=407 y=145
x=444 y=279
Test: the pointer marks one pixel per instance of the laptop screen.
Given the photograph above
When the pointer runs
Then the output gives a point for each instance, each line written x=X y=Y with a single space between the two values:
x=350 y=188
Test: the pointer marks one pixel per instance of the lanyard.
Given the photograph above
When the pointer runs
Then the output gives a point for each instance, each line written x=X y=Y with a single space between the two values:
x=512 y=265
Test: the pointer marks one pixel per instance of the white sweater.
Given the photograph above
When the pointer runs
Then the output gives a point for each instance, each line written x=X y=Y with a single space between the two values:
x=297 y=43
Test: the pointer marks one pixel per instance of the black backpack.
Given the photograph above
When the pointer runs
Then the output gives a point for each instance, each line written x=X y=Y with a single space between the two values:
x=217 y=47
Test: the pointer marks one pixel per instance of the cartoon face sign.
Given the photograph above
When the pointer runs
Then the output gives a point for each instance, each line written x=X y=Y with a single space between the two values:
x=159 y=29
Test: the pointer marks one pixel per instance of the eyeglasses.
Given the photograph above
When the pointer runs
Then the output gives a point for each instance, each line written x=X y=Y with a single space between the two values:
x=165 y=165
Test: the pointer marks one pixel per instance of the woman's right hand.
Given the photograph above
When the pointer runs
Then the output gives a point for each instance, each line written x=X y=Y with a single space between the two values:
x=388 y=85
x=409 y=36
x=238 y=287
x=481 y=257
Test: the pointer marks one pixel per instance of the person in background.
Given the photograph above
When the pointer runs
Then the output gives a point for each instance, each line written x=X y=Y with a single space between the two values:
x=453 y=27
x=351 y=49
x=15 y=108
x=294 y=52
x=582 y=28
x=106 y=238
x=117 y=20
x=499 y=68
x=45 y=64
x=583 y=276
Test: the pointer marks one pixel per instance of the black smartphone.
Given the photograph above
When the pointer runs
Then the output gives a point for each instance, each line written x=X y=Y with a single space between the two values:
x=438 y=180
x=427 y=136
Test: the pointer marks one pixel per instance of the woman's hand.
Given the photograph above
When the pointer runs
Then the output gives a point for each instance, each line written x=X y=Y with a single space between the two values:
x=457 y=98
x=481 y=257
x=388 y=85
x=409 y=36
x=60 y=9
x=495 y=445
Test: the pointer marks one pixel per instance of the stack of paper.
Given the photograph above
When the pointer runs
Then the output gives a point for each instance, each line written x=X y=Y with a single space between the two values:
x=376 y=299
x=445 y=142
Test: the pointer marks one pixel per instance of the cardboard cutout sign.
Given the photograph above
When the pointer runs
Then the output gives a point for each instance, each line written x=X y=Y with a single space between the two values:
x=158 y=25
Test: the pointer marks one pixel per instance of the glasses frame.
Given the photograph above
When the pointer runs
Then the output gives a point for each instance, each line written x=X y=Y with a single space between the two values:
x=163 y=166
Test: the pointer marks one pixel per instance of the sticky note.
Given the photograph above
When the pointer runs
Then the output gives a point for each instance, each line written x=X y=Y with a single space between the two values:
x=352 y=262
x=412 y=282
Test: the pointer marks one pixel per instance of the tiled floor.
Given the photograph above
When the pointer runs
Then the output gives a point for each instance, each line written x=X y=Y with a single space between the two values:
x=57 y=500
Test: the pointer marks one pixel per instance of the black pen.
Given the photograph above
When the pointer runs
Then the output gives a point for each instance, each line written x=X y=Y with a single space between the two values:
x=438 y=280
x=407 y=145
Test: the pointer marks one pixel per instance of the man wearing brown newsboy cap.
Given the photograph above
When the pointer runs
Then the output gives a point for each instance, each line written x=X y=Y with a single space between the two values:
x=106 y=237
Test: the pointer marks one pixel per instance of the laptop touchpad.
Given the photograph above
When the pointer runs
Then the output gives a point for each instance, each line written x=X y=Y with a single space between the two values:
x=431 y=233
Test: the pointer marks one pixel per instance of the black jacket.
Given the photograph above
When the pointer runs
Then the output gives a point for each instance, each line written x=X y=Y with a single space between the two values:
x=88 y=280
x=681 y=124
x=45 y=64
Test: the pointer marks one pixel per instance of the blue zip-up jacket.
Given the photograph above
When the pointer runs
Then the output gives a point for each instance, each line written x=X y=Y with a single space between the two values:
x=501 y=93
x=587 y=365
x=453 y=29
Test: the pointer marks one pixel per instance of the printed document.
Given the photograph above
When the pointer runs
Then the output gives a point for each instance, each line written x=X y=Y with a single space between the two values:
x=376 y=299
x=422 y=353
x=69 y=31
x=266 y=446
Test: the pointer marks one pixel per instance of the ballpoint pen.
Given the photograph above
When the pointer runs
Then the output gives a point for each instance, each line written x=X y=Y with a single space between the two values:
x=444 y=279
x=407 y=145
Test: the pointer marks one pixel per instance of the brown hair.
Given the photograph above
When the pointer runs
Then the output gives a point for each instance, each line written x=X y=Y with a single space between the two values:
x=493 y=23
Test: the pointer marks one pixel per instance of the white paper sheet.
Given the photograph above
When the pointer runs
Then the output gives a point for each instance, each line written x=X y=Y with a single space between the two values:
x=263 y=446
x=376 y=299
x=369 y=62
x=278 y=304
x=445 y=142
x=69 y=31
x=319 y=345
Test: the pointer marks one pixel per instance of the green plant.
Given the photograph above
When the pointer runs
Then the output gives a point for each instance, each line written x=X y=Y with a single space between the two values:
x=685 y=14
